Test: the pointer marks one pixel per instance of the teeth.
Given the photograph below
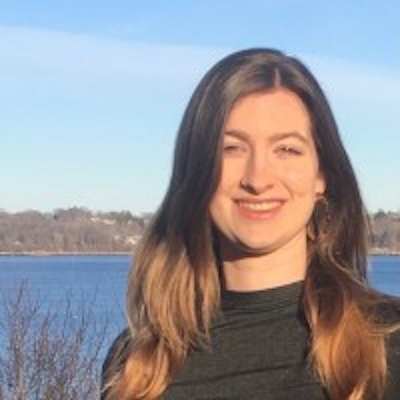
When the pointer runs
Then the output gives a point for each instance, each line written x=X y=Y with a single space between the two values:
x=261 y=206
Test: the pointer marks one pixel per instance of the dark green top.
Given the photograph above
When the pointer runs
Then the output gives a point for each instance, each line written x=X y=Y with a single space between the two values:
x=259 y=347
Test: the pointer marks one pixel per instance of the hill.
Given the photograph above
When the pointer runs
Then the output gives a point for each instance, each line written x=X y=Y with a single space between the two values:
x=79 y=230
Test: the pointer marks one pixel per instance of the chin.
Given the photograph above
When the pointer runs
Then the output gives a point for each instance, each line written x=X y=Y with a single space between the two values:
x=256 y=248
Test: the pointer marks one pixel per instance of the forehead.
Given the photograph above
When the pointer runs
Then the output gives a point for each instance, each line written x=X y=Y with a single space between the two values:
x=279 y=110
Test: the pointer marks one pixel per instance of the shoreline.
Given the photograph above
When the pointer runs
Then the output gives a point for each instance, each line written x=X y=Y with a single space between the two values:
x=119 y=253
x=65 y=253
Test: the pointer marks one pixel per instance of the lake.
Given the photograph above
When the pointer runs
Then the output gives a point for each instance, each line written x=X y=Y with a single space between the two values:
x=100 y=281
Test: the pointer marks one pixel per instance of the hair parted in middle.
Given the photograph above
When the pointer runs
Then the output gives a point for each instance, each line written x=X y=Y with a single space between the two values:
x=174 y=286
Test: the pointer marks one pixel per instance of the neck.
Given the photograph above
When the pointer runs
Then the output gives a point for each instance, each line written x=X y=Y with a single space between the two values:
x=252 y=272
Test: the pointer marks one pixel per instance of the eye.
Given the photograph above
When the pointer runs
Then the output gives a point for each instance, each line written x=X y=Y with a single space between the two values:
x=234 y=148
x=289 y=150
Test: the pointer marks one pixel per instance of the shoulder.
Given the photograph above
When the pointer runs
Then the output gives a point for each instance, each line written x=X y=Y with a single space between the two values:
x=388 y=314
x=387 y=311
x=393 y=364
x=391 y=319
x=116 y=358
x=118 y=351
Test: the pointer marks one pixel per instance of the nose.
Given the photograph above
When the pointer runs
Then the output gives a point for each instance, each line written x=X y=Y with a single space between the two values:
x=259 y=173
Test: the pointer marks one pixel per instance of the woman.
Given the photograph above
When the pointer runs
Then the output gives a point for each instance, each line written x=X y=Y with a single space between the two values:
x=250 y=283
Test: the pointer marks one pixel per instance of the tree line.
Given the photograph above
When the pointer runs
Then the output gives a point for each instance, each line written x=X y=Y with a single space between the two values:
x=385 y=232
x=73 y=230
x=79 y=230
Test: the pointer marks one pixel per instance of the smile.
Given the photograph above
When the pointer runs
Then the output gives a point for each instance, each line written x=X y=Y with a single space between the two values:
x=262 y=206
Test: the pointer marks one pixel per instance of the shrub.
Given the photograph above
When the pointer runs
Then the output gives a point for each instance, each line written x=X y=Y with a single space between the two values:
x=49 y=353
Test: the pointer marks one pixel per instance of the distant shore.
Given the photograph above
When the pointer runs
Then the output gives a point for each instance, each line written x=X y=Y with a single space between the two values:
x=65 y=253
x=78 y=231
x=125 y=253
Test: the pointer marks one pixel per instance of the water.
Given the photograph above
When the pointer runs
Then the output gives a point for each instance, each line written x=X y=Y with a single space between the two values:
x=94 y=284
x=100 y=281
x=384 y=274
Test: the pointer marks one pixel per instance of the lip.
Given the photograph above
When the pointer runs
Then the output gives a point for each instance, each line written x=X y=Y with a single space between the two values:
x=259 y=209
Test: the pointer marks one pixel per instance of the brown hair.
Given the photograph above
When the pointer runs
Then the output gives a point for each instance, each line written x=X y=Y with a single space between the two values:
x=174 y=286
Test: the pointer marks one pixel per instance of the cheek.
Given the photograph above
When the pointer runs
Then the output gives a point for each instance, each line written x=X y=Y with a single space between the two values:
x=217 y=204
x=217 y=212
x=231 y=175
x=302 y=181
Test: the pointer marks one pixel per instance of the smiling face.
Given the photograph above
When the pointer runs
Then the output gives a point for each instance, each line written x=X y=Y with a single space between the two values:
x=270 y=175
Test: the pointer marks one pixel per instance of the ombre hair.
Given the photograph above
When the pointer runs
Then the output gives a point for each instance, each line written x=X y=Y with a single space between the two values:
x=174 y=286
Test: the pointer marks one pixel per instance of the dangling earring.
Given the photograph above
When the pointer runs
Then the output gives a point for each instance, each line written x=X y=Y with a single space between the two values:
x=326 y=216
x=320 y=219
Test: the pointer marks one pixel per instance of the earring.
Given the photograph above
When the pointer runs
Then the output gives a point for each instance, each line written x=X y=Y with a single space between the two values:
x=320 y=219
x=326 y=211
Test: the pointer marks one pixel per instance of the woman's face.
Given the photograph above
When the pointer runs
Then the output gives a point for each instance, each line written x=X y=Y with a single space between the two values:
x=270 y=174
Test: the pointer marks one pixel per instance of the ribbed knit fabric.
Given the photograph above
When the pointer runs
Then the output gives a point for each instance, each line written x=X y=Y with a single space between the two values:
x=258 y=351
x=259 y=347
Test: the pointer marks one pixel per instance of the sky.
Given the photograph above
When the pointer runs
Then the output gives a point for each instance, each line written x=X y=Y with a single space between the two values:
x=92 y=92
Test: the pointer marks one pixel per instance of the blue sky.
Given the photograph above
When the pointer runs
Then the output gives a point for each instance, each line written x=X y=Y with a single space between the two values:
x=92 y=92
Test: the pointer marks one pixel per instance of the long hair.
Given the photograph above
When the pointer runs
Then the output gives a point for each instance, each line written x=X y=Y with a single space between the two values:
x=174 y=285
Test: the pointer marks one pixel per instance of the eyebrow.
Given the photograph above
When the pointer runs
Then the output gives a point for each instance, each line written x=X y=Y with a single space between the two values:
x=275 y=137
